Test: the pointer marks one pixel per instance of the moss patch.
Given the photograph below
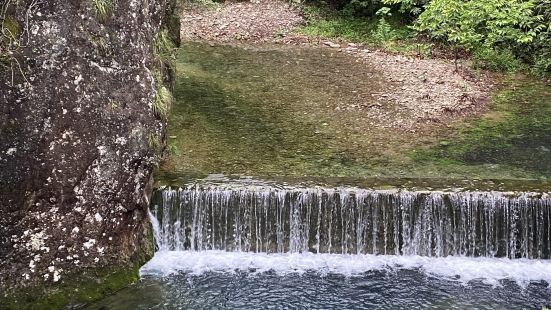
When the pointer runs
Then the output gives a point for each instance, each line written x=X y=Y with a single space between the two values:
x=88 y=286
x=10 y=28
x=515 y=135
x=83 y=287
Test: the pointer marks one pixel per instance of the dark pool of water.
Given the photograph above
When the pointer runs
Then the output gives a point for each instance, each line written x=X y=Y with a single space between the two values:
x=400 y=289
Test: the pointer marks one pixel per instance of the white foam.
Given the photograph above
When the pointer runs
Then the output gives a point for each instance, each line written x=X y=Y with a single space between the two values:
x=463 y=269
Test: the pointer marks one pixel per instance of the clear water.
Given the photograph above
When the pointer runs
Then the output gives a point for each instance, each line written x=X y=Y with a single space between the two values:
x=281 y=111
x=261 y=112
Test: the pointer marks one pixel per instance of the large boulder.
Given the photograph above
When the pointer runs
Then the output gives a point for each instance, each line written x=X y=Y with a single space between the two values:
x=82 y=123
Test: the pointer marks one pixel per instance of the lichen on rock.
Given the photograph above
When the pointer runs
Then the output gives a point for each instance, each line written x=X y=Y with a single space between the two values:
x=77 y=114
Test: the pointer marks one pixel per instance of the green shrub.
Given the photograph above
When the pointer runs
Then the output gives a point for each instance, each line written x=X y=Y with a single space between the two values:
x=539 y=53
x=542 y=65
x=384 y=31
x=481 y=23
x=496 y=59
x=503 y=35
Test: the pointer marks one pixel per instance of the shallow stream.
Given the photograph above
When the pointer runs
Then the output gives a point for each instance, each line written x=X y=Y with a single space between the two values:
x=284 y=111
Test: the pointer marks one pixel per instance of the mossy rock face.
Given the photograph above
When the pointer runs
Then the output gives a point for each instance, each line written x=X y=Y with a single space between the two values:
x=83 y=288
x=83 y=285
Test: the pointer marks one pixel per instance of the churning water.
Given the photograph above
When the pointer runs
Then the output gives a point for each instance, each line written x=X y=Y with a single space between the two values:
x=234 y=246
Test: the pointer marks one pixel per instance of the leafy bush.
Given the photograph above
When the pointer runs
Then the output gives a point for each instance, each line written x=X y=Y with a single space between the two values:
x=500 y=34
x=542 y=64
x=481 y=23
x=362 y=7
x=384 y=31
x=496 y=59
x=412 y=7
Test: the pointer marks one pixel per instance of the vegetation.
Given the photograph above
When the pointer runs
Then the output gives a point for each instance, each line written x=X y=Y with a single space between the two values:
x=163 y=100
x=79 y=289
x=516 y=134
x=330 y=24
x=10 y=41
x=164 y=52
x=164 y=46
x=103 y=8
x=506 y=35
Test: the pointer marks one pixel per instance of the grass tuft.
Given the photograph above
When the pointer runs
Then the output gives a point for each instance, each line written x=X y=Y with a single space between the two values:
x=163 y=46
x=103 y=8
x=163 y=102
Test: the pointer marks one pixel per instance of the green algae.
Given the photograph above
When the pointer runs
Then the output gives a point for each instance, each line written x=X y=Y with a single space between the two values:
x=77 y=290
x=514 y=135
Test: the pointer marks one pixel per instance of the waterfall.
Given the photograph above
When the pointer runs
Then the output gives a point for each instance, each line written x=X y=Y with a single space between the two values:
x=276 y=219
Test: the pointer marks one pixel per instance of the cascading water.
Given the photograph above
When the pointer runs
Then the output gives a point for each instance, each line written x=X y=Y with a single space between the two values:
x=271 y=219
x=320 y=248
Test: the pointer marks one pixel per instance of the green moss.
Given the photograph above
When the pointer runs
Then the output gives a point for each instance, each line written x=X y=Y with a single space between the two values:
x=83 y=286
x=515 y=134
x=164 y=46
x=10 y=28
x=9 y=41
x=100 y=43
x=103 y=9
x=88 y=286
x=163 y=97
x=163 y=50
x=155 y=143
x=163 y=101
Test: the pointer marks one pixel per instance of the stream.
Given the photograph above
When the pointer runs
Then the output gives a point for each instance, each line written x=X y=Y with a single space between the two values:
x=341 y=210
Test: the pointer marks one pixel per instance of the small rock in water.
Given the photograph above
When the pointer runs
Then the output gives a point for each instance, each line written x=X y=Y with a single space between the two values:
x=331 y=44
